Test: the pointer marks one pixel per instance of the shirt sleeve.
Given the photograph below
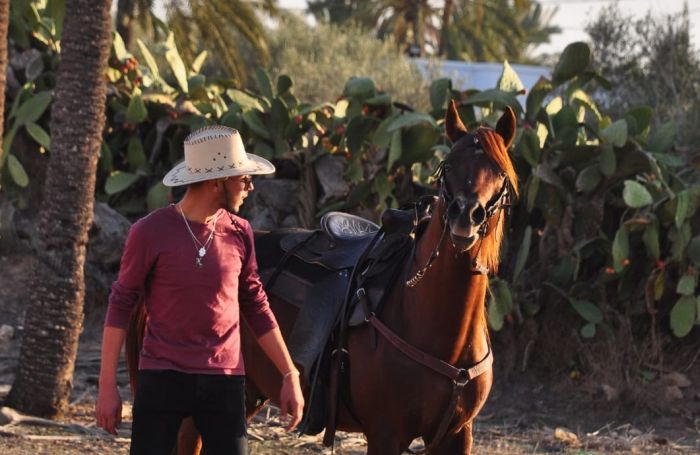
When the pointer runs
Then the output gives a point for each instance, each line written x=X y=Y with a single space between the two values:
x=136 y=263
x=252 y=298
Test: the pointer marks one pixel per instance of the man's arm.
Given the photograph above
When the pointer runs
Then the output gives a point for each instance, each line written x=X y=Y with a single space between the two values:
x=108 y=409
x=255 y=308
x=291 y=397
x=136 y=262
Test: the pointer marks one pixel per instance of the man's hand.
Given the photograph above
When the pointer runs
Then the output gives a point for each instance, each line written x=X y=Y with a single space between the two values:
x=108 y=409
x=291 y=400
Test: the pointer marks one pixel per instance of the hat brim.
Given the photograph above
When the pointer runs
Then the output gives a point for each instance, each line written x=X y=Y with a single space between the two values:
x=179 y=175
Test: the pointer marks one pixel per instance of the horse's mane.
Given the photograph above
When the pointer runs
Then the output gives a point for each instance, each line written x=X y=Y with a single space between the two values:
x=495 y=148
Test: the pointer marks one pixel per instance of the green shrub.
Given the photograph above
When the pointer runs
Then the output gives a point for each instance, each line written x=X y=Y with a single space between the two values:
x=606 y=223
x=322 y=58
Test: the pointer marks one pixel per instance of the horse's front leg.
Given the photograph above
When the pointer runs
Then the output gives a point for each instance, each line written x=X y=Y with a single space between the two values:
x=457 y=444
x=383 y=444
x=189 y=442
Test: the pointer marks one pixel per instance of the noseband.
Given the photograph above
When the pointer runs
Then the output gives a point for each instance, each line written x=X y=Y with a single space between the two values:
x=499 y=202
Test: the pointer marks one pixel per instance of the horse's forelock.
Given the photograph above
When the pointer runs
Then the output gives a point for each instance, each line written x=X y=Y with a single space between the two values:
x=495 y=148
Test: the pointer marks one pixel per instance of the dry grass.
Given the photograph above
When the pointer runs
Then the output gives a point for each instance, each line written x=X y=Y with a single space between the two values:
x=267 y=437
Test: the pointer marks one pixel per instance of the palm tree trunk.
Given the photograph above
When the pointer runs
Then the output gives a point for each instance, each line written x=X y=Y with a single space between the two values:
x=4 y=22
x=444 y=31
x=55 y=309
x=419 y=26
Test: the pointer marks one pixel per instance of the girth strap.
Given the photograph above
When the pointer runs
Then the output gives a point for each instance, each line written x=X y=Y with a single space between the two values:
x=460 y=377
x=425 y=359
x=429 y=361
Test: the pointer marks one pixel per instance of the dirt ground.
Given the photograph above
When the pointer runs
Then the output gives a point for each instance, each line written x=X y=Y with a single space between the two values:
x=525 y=415
x=518 y=419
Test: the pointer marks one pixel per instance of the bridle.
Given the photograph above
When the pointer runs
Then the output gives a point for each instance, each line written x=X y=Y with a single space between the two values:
x=499 y=202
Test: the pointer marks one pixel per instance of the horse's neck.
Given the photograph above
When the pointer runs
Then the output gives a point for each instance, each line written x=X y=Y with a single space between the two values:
x=446 y=308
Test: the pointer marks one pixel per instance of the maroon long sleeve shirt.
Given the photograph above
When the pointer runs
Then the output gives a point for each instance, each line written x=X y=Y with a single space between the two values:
x=193 y=322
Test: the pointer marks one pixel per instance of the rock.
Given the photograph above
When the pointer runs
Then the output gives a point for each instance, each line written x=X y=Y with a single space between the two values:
x=673 y=392
x=280 y=194
x=16 y=270
x=106 y=243
x=6 y=415
x=6 y=333
x=107 y=237
x=330 y=171
x=661 y=440
x=676 y=379
x=272 y=203
x=8 y=233
x=290 y=221
x=610 y=392
x=262 y=220
x=105 y=246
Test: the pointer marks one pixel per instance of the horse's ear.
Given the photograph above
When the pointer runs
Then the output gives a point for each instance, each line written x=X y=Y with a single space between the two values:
x=506 y=126
x=454 y=127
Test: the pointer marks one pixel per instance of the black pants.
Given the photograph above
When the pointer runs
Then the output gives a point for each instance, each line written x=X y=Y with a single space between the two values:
x=164 y=398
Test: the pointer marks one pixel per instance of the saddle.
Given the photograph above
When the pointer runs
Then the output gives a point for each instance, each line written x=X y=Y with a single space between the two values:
x=320 y=272
x=337 y=245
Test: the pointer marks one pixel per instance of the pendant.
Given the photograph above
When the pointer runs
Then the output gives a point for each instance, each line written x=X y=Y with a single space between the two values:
x=202 y=252
x=198 y=262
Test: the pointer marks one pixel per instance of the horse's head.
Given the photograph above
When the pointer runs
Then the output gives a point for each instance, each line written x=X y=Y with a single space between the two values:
x=477 y=179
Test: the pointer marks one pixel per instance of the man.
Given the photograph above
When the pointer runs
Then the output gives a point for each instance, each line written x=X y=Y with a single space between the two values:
x=194 y=265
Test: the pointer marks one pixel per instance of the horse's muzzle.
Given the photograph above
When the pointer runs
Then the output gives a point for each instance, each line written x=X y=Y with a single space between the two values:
x=462 y=243
x=464 y=219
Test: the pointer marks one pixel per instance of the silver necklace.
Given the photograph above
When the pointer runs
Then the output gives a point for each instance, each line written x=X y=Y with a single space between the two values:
x=201 y=249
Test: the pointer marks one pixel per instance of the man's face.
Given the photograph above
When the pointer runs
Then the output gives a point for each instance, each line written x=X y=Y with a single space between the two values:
x=237 y=189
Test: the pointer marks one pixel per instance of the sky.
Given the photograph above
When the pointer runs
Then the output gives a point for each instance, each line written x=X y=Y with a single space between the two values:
x=573 y=15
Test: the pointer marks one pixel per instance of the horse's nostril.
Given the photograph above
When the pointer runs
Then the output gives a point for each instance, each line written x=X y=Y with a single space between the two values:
x=478 y=214
x=454 y=209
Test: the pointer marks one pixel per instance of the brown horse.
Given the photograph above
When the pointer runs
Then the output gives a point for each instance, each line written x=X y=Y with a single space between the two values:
x=433 y=383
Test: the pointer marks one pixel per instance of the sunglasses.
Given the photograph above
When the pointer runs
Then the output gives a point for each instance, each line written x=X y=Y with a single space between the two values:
x=246 y=180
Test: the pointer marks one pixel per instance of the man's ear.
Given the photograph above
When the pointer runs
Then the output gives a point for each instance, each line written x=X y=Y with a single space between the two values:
x=215 y=184
x=506 y=126
x=454 y=128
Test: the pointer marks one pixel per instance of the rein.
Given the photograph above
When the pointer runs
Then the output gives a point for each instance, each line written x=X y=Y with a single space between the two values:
x=434 y=255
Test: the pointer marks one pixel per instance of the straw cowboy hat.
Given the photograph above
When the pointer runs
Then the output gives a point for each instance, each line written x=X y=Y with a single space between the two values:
x=214 y=152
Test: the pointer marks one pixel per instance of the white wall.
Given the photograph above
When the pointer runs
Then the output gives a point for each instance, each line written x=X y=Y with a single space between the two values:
x=479 y=76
